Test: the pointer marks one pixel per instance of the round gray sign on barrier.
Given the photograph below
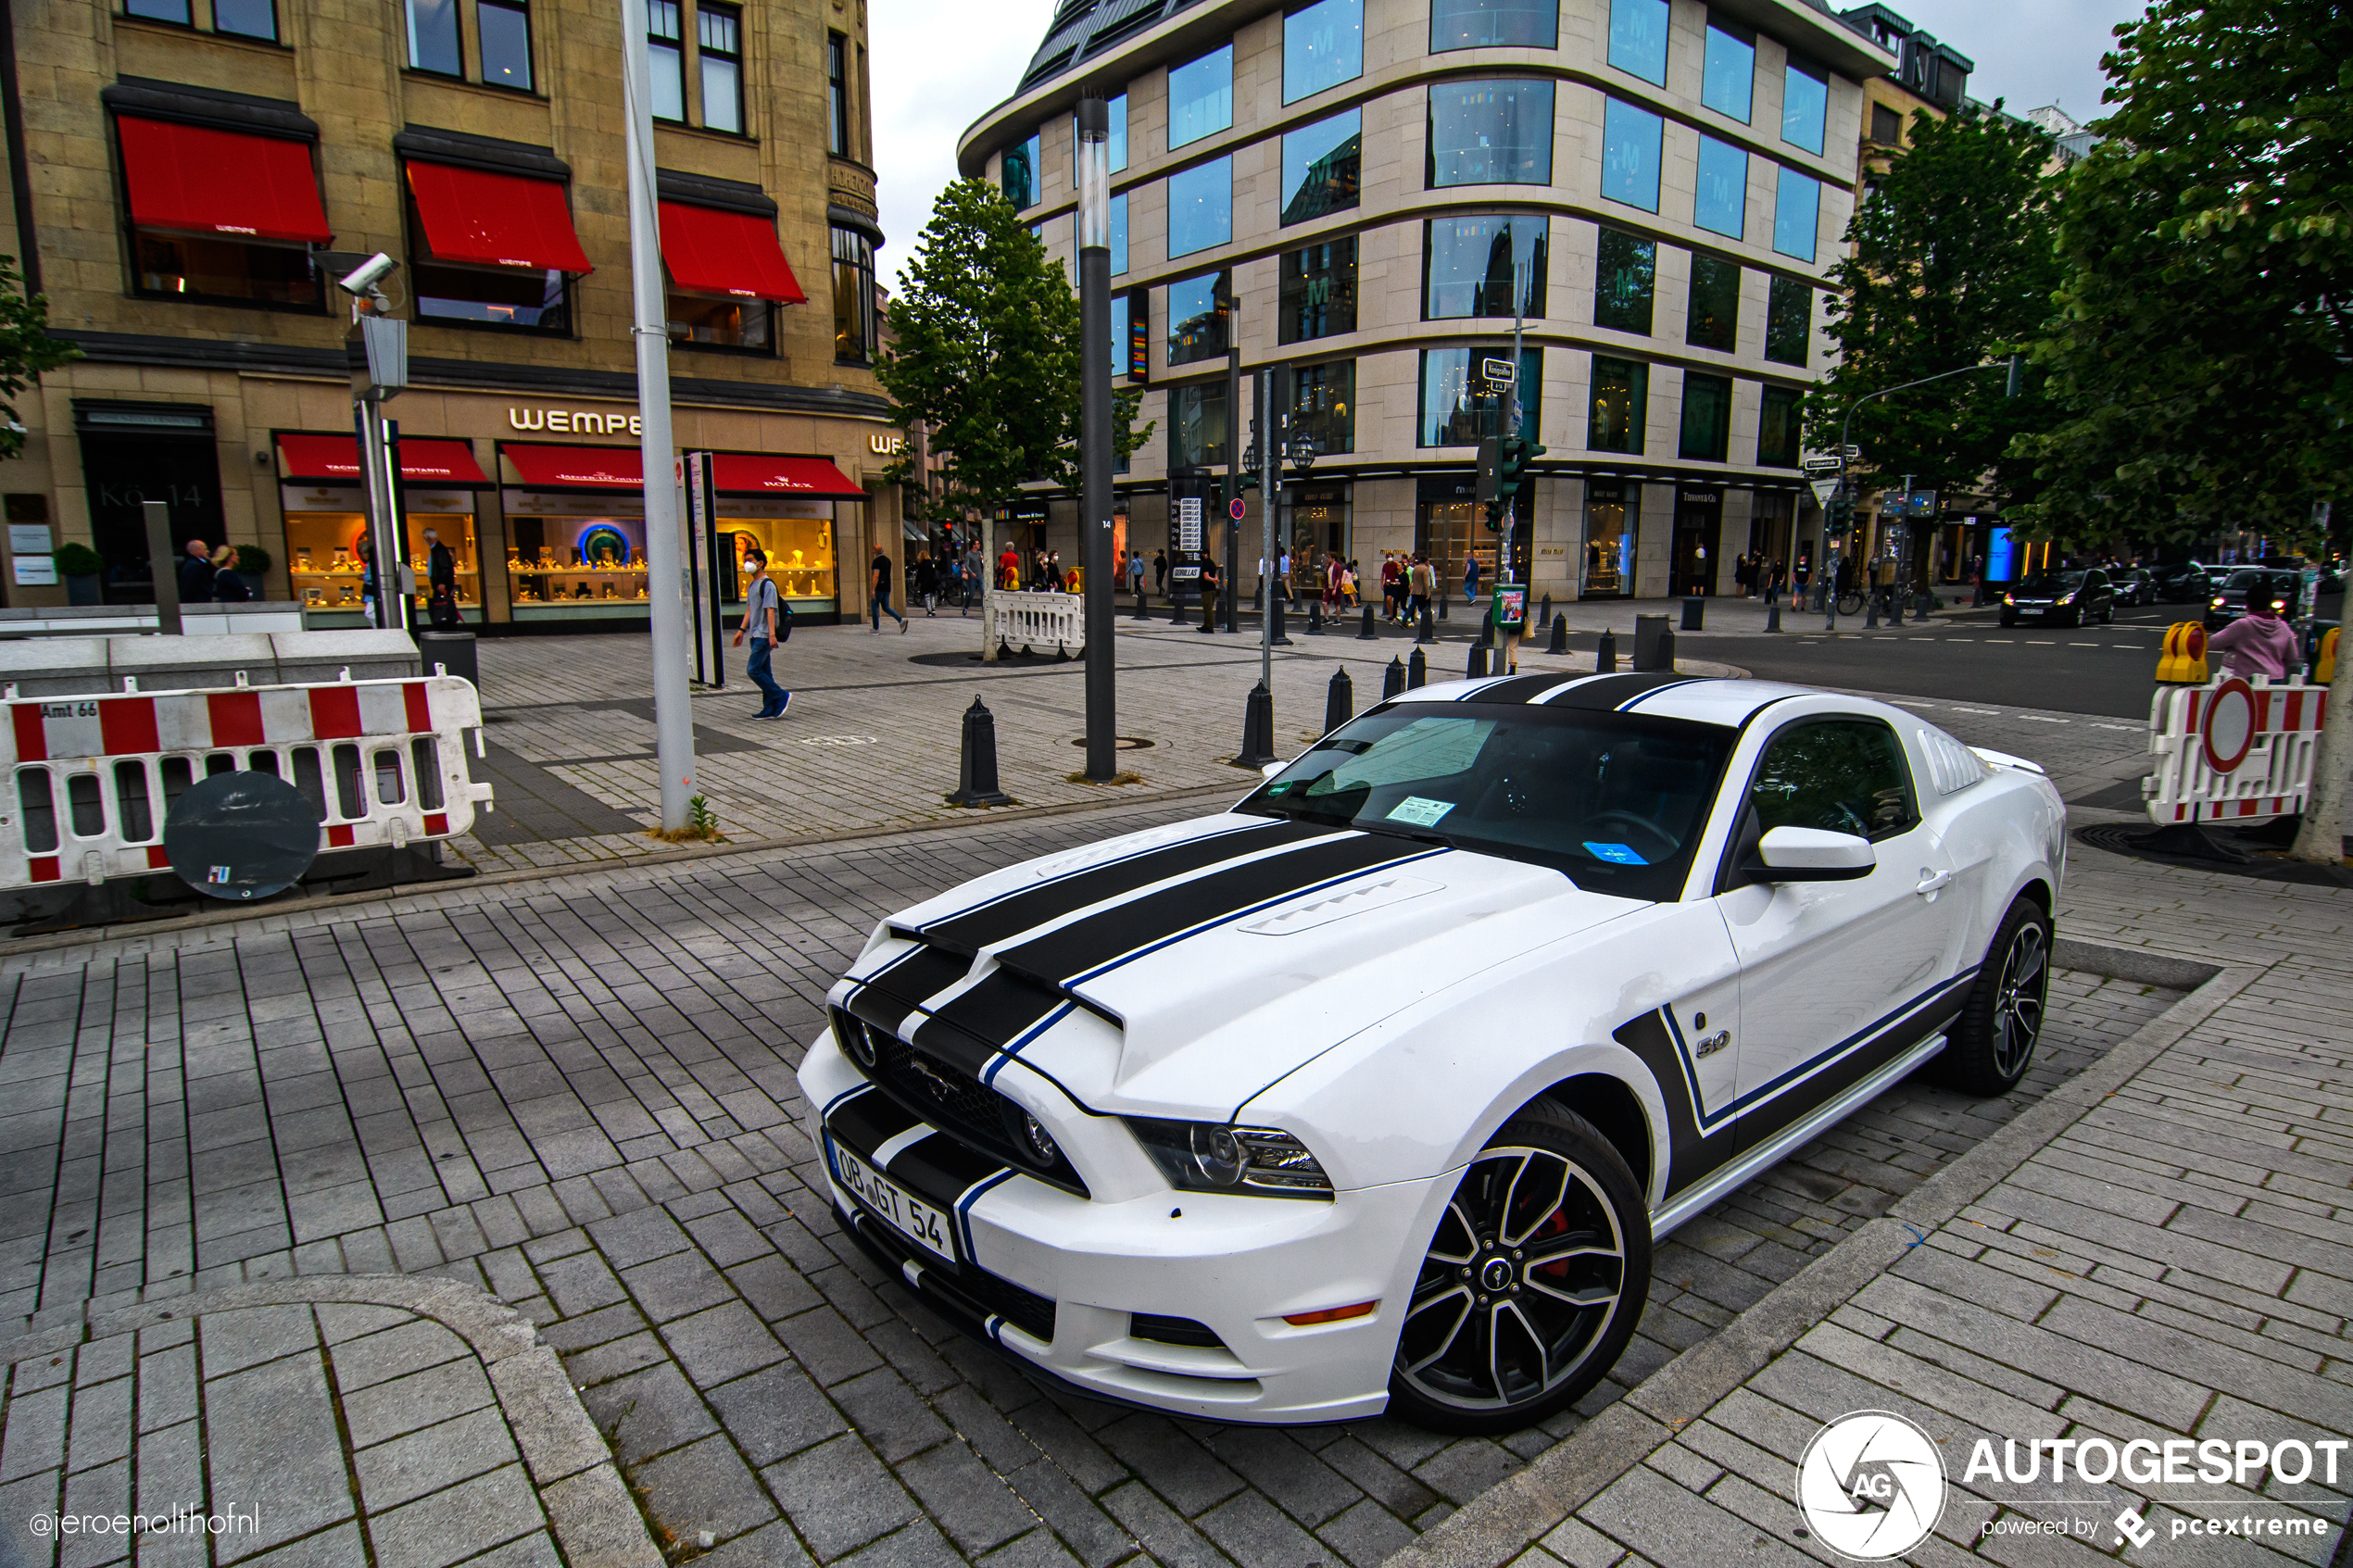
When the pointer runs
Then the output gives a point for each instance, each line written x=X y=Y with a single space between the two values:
x=242 y=835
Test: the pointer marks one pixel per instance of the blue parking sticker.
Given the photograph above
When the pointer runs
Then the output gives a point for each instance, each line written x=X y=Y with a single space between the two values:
x=1619 y=854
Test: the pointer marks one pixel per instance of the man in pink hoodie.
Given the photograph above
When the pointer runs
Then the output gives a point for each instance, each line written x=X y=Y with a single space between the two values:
x=2257 y=642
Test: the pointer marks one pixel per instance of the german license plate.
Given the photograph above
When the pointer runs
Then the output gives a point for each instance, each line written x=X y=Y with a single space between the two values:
x=919 y=1223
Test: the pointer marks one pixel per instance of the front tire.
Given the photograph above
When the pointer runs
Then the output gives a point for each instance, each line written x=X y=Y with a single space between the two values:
x=1532 y=1284
x=1991 y=1045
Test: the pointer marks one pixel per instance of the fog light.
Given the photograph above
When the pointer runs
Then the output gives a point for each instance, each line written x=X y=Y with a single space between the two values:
x=1041 y=1142
x=857 y=1041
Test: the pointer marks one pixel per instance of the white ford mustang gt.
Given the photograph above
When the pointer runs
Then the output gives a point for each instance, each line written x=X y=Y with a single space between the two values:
x=1374 y=1091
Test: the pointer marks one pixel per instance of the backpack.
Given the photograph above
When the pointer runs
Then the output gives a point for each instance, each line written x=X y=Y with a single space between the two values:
x=784 y=620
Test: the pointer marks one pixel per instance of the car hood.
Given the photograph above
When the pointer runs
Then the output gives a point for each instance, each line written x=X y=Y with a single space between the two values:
x=1179 y=973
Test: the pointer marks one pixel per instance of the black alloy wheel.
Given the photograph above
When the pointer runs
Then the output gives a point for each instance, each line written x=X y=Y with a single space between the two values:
x=1531 y=1285
x=1992 y=1044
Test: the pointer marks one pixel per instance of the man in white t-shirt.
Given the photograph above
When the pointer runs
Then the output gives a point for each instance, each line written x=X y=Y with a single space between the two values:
x=762 y=610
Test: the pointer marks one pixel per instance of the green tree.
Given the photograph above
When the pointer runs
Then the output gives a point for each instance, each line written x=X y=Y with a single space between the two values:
x=987 y=356
x=2202 y=352
x=26 y=350
x=1953 y=265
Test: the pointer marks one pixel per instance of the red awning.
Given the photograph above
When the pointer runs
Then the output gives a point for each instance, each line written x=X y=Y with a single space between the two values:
x=424 y=460
x=810 y=479
x=592 y=468
x=495 y=220
x=192 y=177
x=712 y=251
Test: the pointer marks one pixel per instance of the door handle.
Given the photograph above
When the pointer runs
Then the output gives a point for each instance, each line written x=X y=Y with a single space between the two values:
x=1931 y=882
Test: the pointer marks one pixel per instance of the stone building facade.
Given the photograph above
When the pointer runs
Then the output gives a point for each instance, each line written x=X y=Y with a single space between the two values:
x=1657 y=185
x=191 y=175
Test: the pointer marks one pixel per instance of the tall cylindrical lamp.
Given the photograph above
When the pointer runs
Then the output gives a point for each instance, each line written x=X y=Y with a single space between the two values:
x=1095 y=433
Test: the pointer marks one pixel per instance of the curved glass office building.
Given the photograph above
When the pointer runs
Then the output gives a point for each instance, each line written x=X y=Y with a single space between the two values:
x=1656 y=186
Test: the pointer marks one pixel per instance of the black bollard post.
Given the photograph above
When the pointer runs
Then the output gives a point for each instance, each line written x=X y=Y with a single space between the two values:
x=1417 y=669
x=1441 y=597
x=1487 y=633
x=1478 y=669
x=1315 y=617
x=1280 y=640
x=1143 y=611
x=1605 y=656
x=1371 y=633
x=1429 y=634
x=1547 y=615
x=1340 y=700
x=1175 y=609
x=1392 y=680
x=1560 y=635
x=1772 y=615
x=1667 y=650
x=976 y=777
x=1258 y=728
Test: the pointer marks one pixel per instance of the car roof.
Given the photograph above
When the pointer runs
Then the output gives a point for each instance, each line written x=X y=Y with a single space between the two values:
x=1701 y=699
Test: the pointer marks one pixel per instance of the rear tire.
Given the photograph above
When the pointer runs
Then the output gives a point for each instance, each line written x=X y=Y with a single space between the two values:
x=1993 y=1043
x=1531 y=1285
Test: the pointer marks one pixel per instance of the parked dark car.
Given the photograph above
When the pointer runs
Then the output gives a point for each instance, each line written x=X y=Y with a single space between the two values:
x=2135 y=585
x=2069 y=597
x=2228 y=601
x=2184 y=581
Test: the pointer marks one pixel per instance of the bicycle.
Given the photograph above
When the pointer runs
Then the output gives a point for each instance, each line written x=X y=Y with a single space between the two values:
x=1850 y=602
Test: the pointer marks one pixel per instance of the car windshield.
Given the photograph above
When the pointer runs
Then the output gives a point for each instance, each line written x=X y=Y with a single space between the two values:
x=1616 y=801
x=2242 y=580
x=2051 y=582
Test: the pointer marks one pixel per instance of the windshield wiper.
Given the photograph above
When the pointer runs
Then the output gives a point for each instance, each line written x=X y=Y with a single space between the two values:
x=1396 y=830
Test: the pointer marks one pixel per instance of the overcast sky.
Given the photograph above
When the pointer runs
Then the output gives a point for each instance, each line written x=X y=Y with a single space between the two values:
x=939 y=63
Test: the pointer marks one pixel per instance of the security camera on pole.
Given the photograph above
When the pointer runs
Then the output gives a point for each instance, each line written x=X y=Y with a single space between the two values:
x=376 y=349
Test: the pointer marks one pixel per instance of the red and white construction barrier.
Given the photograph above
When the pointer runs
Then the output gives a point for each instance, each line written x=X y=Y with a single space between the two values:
x=2232 y=749
x=92 y=779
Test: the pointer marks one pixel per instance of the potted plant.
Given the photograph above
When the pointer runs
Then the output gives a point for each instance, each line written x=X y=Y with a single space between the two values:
x=79 y=566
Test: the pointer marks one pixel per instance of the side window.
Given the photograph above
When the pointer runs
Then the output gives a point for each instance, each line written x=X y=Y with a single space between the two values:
x=1842 y=775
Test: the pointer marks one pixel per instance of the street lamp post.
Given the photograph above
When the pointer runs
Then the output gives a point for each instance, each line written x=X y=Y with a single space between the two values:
x=1095 y=435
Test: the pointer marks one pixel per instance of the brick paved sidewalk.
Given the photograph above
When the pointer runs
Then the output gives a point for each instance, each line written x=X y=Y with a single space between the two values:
x=2163 y=1248
x=331 y=1423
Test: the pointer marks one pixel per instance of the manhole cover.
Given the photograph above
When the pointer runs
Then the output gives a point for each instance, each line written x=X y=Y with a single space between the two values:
x=1126 y=743
x=838 y=740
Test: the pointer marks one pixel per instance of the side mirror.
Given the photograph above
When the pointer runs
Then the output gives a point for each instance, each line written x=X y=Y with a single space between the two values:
x=1812 y=854
x=1271 y=769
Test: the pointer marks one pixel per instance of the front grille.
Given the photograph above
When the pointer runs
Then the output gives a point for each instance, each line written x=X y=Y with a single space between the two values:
x=956 y=1102
x=1172 y=1331
x=972 y=1293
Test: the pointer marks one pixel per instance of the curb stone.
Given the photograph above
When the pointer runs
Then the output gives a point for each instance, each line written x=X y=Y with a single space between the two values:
x=587 y=1507
x=1496 y=1527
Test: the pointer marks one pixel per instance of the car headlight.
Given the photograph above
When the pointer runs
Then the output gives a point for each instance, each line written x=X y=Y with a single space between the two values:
x=1212 y=1157
x=2217 y=601
x=2009 y=598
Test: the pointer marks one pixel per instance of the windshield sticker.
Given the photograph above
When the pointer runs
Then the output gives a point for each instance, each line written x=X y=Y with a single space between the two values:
x=1617 y=854
x=1420 y=812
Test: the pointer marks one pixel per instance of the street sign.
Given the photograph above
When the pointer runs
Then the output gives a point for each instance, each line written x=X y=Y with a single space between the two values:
x=1824 y=463
x=1234 y=508
x=1499 y=372
x=1188 y=524
x=1823 y=490
x=1852 y=452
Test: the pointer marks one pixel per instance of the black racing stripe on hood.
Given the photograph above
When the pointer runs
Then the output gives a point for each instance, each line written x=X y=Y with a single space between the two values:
x=866 y=1120
x=993 y=1014
x=940 y=1169
x=908 y=982
x=1607 y=691
x=1064 y=955
x=1032 y=907
x=1519 y=688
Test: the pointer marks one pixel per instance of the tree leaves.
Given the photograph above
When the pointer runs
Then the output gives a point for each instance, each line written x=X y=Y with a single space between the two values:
x=26 y=350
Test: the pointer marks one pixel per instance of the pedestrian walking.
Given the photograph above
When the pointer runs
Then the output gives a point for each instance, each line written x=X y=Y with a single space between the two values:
x=1055 y=584
x=758 y=624
x=1470 y=580
x=441 y=582
x=227 y=585
x=1160 y=573
x=1419 y=585
x=878 y=591
x=1209 y=592
x=1009 y=569
x=1390 y=587
x=2258 y=643
x=195 y=574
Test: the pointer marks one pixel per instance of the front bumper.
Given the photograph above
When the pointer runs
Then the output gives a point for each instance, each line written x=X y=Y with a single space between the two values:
x=1057 y=1279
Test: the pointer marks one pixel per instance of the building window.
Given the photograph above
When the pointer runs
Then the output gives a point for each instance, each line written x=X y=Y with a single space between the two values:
x=1490 y=133
x=1613 y=526
x=199 y=267
x=1196 y=325
x=432 y=37
x=1621 y=405
x=1797 y=214
x=1320 y=165
x=1638 y=38
x=837 y=95
x=246 y=18
x=1200 y=96
x=853 y=296
x=1776 y=428
x=505 y=45
x=1806 y=105
x=1727 y=83
x=1471 y=265
x=1197 y=425
x=1020 y=175
x=1631 y=140
x=1789 y=321
x=174 y=11
x=1707 y=417
x=1323 y=407
x=1714 y=318
x=1116 y=138
x=526 y=298
x=1119 y=233
x=1201 y=207
x=1322 y=46
x=1318 y=291
x=718 y=35
x=1493 y=24
x=1887 y=126
x=1625 y=274
x=1461 y=406
x=1118 y=335
x=666 y=53
x=1720 y=202
x=720 y=321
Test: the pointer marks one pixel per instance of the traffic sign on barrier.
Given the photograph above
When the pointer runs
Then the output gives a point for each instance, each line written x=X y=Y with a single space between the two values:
x=2232 y=749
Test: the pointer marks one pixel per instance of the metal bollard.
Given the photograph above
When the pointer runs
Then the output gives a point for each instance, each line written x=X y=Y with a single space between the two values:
x=1560 y=635
x=1478 y=669
x=1315 y=617
x=1280 y=641
x=1427 y=634
x=1772 y=615
x=1665 y=650
x=1417 y=669
x=1547 y=616
x=1440 y=596
x=976 y=777
x=1694 y=611
x=1258 y=728
x=1371 y=633
x=1143 y=611
x=1392 y=680
x=1340 y=700
x=1605 y=656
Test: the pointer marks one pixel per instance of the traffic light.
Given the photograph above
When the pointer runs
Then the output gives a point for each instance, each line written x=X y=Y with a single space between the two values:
x=1840 y=520
x=1513 y=454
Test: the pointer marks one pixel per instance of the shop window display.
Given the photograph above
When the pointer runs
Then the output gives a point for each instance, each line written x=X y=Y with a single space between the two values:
x=583 y=557
x=324 y=564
